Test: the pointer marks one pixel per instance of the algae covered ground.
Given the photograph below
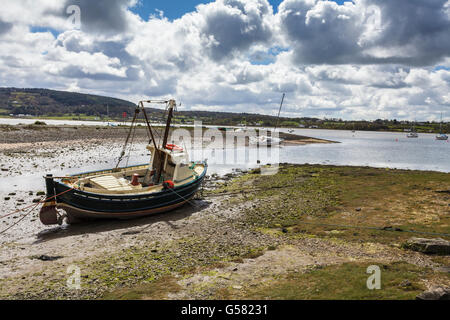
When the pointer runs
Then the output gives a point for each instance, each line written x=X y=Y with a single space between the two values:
x=307 y=232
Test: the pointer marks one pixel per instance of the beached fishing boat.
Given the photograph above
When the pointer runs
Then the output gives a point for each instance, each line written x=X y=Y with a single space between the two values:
x=169 y=181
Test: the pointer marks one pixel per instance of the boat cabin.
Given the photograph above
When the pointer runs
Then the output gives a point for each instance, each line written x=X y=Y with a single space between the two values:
x=175 y=165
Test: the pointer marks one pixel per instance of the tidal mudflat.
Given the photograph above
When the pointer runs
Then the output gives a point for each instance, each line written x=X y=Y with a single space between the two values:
x=246 y=235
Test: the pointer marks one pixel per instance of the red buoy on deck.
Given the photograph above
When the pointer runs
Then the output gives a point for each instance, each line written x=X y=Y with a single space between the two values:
x=173 y=147
x=135 y=180
x=168 y=184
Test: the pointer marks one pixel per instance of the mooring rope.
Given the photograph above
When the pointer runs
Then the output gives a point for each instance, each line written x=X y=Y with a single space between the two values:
x=187 y=200
x=18 y=221
x=33 y=206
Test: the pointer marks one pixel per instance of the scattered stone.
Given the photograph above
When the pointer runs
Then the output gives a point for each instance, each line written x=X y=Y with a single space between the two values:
x=405 y=283
x=47 y=258
x=430 y=246
x=7 y=198
x=390 y=228
x=358 y=209
x=40 y=193
x=12 y=194
x=130 y=233
x=36 y=200
x=435 y=293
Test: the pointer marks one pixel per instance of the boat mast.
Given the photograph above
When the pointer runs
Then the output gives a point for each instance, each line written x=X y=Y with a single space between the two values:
x=169 y=121
x=172 y=105
x=279 y=111
x=148 y=125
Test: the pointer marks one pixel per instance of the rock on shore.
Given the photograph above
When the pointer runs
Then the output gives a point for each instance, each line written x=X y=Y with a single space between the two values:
x=431 y=246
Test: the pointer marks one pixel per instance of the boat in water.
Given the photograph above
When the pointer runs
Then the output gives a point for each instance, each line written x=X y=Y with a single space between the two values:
x=169 y=181
x=441 y=136
x=413 y=133
x=266 y=140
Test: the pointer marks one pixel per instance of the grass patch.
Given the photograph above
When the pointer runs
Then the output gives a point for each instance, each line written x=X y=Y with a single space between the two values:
x=340 y=202
x=399 y=281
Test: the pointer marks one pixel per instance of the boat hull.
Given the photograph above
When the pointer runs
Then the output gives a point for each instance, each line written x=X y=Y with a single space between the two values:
x=80 y=205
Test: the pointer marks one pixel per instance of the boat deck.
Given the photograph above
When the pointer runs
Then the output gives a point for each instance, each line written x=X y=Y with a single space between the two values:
x=115 y=181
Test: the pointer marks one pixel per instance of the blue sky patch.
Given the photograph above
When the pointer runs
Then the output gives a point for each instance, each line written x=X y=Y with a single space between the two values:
x=441 y=68
x=44 y=29
x=176 y=9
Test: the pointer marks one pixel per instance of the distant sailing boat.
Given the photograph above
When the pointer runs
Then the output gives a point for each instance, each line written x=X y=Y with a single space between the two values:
x=413 y=133
x=266 y=140
x=441 y=136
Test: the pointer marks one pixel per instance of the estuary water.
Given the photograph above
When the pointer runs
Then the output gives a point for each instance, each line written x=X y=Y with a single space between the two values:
x=375 y=149
x=360 y=148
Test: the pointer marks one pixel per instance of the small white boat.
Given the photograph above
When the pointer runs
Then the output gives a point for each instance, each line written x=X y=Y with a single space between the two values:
x=265 y=140
x=413 y=133
x=441 y=136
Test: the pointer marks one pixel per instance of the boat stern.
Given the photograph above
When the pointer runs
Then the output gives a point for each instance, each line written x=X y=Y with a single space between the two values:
x=48 y=213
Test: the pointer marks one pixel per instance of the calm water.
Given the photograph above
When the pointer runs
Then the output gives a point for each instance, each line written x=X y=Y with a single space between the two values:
x=376 y=149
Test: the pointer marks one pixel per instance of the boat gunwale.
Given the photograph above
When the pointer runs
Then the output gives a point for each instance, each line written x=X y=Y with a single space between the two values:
x=131 y=195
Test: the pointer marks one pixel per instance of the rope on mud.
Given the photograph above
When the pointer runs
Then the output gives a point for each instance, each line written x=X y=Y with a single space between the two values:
x=187 y=200
x=33 y=206
x=375 y=228
x=243 y=191
x=18 y=221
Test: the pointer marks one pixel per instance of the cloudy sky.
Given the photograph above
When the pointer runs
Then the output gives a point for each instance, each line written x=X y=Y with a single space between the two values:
x=361 y=59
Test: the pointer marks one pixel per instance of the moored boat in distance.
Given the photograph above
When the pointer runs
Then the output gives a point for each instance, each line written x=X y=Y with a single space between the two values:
x=413 y=133
x=441 y=136
x=169 y=181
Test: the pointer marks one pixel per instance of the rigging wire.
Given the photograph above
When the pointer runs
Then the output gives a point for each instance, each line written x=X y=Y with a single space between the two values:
x=131 y=145
x=33 y=206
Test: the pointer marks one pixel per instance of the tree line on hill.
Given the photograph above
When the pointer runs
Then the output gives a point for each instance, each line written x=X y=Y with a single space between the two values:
x=45 y=102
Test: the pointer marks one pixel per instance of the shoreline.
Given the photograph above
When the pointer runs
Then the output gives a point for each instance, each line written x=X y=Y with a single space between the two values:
x=22 y=135
x=118 y=124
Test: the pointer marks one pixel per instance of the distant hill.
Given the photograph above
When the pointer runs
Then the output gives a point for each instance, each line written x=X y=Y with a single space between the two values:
x=51 y=103
x=40 y=102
